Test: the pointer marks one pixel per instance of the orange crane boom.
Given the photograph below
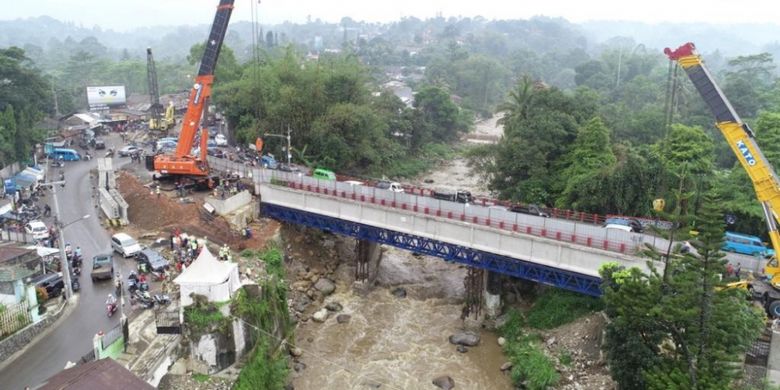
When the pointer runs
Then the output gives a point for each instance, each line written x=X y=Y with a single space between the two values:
x=182 y=162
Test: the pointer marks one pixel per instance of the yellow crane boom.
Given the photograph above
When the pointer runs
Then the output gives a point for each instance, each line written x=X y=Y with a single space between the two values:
x=742 y=142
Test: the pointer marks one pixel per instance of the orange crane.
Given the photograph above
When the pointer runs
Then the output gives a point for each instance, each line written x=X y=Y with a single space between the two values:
x=182 y=164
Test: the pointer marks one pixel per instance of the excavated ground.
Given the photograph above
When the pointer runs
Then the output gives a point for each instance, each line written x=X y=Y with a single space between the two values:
x=153 y=216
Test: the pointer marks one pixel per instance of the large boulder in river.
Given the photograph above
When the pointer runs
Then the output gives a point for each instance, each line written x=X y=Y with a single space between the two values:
x=325 y=286
x=468 y=339
x=444 y=382
x=301 y=302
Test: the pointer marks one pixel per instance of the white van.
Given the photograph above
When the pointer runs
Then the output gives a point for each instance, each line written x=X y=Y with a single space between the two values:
x=125 y=245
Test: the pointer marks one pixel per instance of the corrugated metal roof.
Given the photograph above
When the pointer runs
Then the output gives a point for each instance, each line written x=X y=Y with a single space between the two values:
x=96 y=375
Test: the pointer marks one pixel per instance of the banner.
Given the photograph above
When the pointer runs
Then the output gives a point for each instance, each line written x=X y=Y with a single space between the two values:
x=107 y=95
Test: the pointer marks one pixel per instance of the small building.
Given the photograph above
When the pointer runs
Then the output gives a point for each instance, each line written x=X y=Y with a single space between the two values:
x=17 y=264
x=216 y=280
x=98 y=374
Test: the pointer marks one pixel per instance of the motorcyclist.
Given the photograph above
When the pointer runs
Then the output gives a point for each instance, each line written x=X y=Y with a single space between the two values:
x=78 y=252
x=110 y=301
x=68 y=249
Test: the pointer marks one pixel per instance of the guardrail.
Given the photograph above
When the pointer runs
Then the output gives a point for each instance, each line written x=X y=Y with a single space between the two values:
x=566 y=214
x=576 y=230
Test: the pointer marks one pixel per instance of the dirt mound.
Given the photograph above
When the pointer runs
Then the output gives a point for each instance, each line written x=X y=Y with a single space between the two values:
x=581 y=341
x=151 y=212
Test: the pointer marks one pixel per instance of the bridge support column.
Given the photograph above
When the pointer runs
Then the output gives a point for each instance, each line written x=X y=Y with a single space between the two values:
x=492 y=294
x=473 y=283
x=368 y=254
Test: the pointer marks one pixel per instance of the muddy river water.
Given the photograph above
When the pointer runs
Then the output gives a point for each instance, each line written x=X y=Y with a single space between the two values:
x=399 y=343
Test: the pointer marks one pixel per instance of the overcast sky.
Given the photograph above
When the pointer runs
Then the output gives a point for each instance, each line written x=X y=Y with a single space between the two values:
x=127 y=14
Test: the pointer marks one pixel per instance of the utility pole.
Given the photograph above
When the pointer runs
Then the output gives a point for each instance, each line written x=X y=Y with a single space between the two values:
x=60 y=232
x=289 y=143
x=64 y=266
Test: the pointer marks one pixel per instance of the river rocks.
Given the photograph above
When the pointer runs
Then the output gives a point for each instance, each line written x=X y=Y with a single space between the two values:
x=501 y=341
x=343 y=318
x=296 y=352
x=301 y=285
x=301 y=302
x=299 y=366
x=321 y=315
x=506 y=366
x=444 y=382
x=399 y=292
x=325 y=286
x=461 y=349
x=468 y=339
x=550 y=342
x=334 y=306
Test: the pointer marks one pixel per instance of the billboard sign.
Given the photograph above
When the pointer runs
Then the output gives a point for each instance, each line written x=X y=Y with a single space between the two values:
x=106 y=95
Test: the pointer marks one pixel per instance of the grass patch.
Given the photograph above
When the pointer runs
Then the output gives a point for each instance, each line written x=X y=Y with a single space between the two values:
x=273 y=258
x=264 y=370
x=529 y=364
x=201 y=318
x=202 y=378
x=557 y=307
x=565 y=358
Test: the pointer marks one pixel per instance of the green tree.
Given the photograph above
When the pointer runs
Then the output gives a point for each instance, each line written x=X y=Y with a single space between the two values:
x=518 y=102
x=591 y=154
x=690 y=328
x=439 y=118
x=228 y=68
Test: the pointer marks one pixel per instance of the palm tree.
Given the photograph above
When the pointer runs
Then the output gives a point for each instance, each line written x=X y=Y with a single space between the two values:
x=518 y=102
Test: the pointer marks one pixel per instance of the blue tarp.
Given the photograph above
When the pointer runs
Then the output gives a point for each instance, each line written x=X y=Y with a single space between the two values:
x=24 y=180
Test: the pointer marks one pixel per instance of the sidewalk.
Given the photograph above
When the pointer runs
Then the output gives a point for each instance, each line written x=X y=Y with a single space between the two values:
x=148 y=354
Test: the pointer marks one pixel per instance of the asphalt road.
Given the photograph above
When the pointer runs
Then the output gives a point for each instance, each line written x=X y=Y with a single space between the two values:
x=72 y=339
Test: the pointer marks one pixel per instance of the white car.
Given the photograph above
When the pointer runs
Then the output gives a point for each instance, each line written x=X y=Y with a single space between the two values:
x=125 y=245
x=390 y=186
x=220 y=140
x=37 y=229
x=616 y=226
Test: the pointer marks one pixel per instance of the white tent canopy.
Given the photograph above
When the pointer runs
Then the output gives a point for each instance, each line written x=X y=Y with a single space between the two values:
x=217 y=280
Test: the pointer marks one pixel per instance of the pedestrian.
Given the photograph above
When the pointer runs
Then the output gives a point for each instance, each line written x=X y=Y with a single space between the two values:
x=172 y=237
x=729 y=270
x=738 y=270
x=157 y=191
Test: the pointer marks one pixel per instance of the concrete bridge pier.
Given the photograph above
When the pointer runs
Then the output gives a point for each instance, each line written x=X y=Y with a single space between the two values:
x=368 y=254
x=492 y=294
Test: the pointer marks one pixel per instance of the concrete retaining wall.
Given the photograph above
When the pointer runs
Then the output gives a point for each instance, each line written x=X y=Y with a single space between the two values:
x=22 y=338
x=231 y=204
x=108 y=204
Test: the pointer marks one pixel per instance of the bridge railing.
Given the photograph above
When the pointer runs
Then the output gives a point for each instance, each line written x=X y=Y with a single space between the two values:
x=579 y=233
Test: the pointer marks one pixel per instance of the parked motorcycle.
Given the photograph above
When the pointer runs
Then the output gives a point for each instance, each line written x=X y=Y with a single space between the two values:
x=75 y=285
x=142 y=298
x=77 y=271
x=110 y=153
x=162 y=299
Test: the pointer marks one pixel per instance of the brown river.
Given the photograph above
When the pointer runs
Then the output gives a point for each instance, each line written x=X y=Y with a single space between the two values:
x=398 y=343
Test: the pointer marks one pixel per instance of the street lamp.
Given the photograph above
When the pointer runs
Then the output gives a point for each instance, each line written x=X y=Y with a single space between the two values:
x=288 y=151
x=64 y=266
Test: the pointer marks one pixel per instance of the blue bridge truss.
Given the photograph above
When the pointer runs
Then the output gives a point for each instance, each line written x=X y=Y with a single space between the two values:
x=581 y=283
